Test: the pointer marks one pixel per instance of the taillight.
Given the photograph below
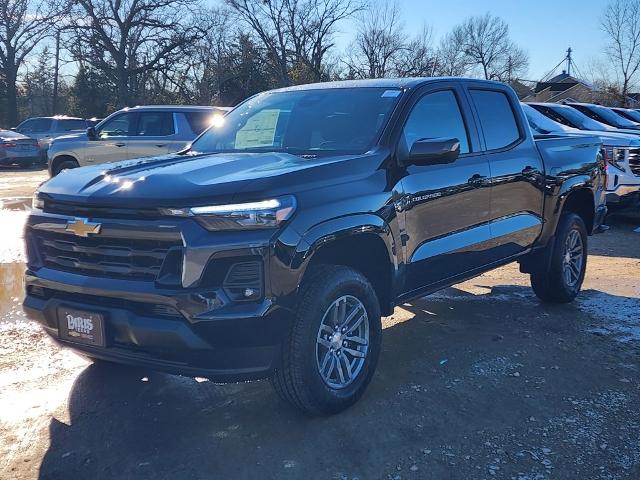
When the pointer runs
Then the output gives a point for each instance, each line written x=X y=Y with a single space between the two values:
x=7 y=145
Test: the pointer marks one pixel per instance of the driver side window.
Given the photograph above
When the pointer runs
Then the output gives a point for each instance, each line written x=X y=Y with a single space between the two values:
x=436 y=115
x=118 y=126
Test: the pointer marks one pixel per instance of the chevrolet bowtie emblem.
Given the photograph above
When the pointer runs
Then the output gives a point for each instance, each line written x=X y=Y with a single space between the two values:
x=83 y=227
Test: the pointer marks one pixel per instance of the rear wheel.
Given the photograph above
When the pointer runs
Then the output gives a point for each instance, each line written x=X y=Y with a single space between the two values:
x=333 y=347
x=562 y=280
x=64 y=165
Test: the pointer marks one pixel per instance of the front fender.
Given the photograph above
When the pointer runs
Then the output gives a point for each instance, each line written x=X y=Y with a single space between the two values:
x=338 y=228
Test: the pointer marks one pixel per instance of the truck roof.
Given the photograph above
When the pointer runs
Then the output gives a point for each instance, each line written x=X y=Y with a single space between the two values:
x=411 y=82
x=177 y=107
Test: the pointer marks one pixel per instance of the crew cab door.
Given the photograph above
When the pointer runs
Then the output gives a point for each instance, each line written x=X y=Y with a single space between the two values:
x=445 y=208
x=517 y=170
x=111 y=140
x=154 y=132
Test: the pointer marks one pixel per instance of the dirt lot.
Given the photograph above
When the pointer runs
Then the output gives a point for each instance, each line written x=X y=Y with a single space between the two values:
x=479 y=381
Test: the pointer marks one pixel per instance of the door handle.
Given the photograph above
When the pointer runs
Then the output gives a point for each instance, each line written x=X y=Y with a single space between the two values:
x=529 y=171
x=120 y=144
x=477 y=180
x=161 y=145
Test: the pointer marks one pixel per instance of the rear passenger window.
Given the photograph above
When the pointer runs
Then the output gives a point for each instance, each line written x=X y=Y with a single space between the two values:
x=496 y=118
x=67 y=125
x=436 y=115
x=199 y=121
x=155 y=124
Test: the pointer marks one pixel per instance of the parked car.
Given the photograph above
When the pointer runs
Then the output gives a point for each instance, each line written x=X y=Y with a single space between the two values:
x=131 y=133
x=272 y=246
x=605 y=115
x=18 y=149
x=45 y=129
x=622 y=151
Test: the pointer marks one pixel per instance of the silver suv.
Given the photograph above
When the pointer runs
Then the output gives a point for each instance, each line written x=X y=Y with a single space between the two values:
x=132 y=133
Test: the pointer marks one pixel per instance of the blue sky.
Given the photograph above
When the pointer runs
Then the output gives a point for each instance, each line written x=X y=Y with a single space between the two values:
x=544 y=28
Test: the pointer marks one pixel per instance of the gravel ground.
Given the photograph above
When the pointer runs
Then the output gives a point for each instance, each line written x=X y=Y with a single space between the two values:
x=479 y=381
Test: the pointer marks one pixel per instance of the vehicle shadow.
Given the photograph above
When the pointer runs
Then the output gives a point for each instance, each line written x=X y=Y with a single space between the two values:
x=134 y=423
x=18 y=168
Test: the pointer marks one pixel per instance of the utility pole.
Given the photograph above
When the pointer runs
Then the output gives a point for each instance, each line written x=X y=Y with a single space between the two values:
x=569 y=60
x=56 y=68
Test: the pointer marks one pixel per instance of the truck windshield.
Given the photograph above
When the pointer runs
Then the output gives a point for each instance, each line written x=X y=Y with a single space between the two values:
x=542 y=124
x=612 y=118
x=579 y=119
x=329 y=121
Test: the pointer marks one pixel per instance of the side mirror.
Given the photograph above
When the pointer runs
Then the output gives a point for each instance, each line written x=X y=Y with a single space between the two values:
x=434 y=151
x=91 y=133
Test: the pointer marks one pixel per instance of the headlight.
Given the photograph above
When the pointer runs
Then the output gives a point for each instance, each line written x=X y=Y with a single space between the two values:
x=36 y=202
x=241 y=216
x=615 y=155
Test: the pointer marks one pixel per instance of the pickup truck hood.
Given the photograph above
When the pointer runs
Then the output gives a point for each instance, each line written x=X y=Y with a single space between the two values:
x=181 y=180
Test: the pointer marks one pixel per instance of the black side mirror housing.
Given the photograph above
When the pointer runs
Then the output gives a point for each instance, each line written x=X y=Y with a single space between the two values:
x=91 y=133
x=434 y=151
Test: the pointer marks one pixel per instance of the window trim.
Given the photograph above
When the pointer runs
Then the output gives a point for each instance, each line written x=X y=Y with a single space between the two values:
x=521 y=132
x=420 y=94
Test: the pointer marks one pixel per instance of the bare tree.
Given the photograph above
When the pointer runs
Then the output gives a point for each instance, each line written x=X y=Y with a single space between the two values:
x=621 y=24
x=379 y=42
x=23 y=25
x=312 y=25
x=295 y=33
x=451 y=61
x=133 y=38
x=486 y=45
x=418 y=58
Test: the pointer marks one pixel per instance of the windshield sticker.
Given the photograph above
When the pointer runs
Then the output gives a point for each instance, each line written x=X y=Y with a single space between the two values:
x=390 y=93
x=259 y=131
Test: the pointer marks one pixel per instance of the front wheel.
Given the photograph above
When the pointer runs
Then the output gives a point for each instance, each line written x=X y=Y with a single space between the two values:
x=333 y=347
x=562 y=280
x=64 y=165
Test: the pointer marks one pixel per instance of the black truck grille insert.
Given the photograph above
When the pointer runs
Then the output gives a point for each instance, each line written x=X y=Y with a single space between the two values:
x=123 y=258
x=634 y=161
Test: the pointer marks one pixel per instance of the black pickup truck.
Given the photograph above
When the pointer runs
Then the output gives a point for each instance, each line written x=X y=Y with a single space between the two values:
x=272 y=246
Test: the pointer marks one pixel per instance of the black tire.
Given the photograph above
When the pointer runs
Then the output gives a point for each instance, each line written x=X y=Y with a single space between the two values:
x=298 y=379
x=551 y=284
x=64 y=165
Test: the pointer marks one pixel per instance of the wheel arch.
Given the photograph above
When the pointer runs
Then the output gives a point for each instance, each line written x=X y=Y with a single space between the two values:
x=55 y=161
x=363 y=242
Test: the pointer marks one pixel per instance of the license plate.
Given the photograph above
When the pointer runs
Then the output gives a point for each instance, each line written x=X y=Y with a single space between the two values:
x=81 y=326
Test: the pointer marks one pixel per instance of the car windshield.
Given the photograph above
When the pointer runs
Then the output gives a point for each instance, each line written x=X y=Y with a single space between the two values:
x=328 y=121
x=612 y=118
x=578 y=118
x=542 y=124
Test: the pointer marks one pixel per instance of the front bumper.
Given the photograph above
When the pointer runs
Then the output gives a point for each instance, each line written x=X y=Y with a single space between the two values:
x=20 y=160
x=191 y=327
x=624 y=195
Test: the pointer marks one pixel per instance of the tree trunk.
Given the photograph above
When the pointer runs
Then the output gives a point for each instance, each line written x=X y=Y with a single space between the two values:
x=123 y=86
x=12 y=96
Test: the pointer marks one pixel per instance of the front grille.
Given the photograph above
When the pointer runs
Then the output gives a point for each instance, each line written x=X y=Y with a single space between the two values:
x=128 y=259
x=88 y=211
x=634 y=161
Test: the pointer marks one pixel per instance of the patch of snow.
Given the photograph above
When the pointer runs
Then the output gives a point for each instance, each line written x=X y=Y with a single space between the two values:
x=12 y=244
x=617 y=316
